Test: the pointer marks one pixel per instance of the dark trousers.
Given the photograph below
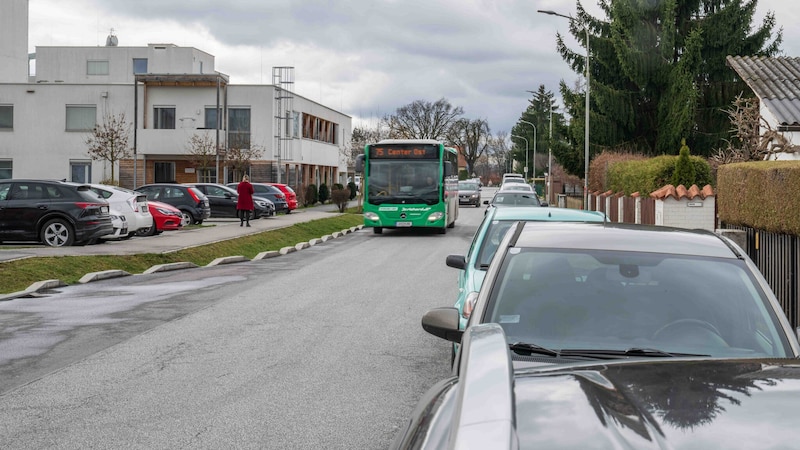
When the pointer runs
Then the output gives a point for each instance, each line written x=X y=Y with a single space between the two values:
x=244 y=215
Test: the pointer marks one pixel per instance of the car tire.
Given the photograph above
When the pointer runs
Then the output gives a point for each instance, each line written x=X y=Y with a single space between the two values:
x=149 y=231
x=188 y=218
x=57 y=233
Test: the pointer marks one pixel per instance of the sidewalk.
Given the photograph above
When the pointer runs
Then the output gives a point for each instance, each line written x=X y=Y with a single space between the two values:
x=212 y=230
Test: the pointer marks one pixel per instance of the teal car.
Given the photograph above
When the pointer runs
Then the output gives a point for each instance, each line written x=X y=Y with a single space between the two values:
x=495 y=223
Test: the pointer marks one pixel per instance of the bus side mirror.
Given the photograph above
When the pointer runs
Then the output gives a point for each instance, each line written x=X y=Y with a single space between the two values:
x=360 y=163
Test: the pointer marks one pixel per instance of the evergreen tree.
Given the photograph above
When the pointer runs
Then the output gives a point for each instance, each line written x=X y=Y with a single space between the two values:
x=684 y=173
x=658 y=72
x=538 y=113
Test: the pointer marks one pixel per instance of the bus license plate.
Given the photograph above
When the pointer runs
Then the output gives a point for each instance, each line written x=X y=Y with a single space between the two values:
x=403 y=224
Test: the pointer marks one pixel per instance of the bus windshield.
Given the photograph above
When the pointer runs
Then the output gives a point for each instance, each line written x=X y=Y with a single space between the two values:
x=404 y=181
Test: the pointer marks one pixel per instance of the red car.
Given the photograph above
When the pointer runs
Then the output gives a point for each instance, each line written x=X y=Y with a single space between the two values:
x=165 y=217
x=291 y=196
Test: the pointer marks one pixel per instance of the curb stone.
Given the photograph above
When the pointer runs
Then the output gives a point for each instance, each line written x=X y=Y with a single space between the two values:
x=227 y=260
x=103 y=275
x=170 y=266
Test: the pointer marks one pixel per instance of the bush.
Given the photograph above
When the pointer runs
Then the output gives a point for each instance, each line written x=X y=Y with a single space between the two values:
x=684 y=173
x=324 y=193
x=340 y=197
x=311 y=195
x=353 y=189
x=648 y=175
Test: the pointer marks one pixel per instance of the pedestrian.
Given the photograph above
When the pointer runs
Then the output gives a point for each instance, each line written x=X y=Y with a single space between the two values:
x=244 y=204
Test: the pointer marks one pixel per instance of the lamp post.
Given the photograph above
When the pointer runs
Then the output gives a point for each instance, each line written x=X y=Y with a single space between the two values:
x=534 y=149
x=586 y=137
x=526 y=154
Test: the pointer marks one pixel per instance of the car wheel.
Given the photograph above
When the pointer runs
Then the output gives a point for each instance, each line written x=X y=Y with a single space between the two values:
x=149 y=231
x=377 y=230
x=57 y=233
x=188 y=219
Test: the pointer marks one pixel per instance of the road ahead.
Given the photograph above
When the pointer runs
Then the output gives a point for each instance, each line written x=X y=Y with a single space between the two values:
x=320 y=348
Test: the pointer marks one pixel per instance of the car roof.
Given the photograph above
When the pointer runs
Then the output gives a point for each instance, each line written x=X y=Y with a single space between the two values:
x=624 y=237
x=546 y=214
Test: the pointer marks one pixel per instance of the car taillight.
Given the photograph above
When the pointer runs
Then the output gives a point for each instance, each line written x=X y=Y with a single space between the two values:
x=280 y=196
x=194 y=196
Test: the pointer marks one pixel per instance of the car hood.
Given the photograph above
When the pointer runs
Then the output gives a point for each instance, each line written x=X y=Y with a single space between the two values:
x=660 y=404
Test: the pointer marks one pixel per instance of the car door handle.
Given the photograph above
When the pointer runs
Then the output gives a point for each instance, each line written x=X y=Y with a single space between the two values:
x=41 y=206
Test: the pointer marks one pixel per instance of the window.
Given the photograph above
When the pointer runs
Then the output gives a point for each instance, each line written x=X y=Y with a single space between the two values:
x=211 y=118
x=81 y=117
x=239 y=128
x=164 y=172
x=207 y=175
x=139 y=65
x=5 y=169
x=319 y=129
x=6 y=117
x=164 y=118
x=96 y=67
x=80 y=171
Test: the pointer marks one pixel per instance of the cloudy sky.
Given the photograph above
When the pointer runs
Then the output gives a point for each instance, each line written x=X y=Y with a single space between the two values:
x=364 y=58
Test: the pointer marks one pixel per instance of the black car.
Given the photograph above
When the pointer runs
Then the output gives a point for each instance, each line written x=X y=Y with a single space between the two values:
x=649 y=399
x=191 y=201
x=56 y=213
x=269 y=192
x=223 y=201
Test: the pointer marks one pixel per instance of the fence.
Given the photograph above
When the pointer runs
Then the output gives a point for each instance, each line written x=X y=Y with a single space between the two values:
x=778 y=258
x=634 y=209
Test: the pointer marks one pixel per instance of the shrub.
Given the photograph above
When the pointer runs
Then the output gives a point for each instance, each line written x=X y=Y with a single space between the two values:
x=684 y=173
x=310 y=198
x=340 y=197
x=324 y=193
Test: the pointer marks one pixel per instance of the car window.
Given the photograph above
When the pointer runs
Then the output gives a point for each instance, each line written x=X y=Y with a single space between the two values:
x=5 y=188
x=581 y=299
x=492 y=237
x=467 y=186
x=518 y=199
x=173 y=193
x=101 y=192
x=216 y=190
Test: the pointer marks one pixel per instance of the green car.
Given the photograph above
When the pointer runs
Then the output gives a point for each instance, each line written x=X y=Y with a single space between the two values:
x=495 y=223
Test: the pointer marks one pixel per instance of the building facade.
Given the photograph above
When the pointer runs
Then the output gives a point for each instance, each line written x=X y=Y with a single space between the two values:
x=186 y=121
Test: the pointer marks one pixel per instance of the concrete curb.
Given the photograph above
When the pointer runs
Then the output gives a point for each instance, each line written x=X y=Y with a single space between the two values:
x=107 y=274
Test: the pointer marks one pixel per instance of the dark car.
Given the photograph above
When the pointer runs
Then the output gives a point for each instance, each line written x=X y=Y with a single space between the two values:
x=514 y=197
x=646 y=400
x=191 y=201
x=56 y=213
x=223 y=201
x=571 y=291
x=269 y=192
x=469 y=193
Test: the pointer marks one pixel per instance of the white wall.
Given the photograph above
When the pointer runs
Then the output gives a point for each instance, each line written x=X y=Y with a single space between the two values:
x=13 y=41
x=685 y=213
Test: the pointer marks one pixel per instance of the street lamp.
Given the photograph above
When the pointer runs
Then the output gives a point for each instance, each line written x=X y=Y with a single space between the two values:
x=534 y=149
x=526 y=154
x=586 y=138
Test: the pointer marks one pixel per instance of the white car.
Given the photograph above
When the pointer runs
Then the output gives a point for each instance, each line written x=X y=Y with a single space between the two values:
x=120 y=223
x=131 y=204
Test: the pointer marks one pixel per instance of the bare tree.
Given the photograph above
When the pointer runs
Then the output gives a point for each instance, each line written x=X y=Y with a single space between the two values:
x=238 y=159
x=202 y=150
x=108 y=141
x=499 y=153
x=362 y=136
x=472 y=139
x=423 y=120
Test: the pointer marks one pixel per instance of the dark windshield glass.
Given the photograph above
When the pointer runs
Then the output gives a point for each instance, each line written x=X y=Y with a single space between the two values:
x=403 y=181
x=516 y=199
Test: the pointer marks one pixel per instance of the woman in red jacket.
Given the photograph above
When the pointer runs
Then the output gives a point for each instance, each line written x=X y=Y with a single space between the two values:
x=244 y=205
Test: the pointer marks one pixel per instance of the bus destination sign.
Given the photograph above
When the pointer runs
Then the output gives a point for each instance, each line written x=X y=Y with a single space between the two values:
x=403 y=152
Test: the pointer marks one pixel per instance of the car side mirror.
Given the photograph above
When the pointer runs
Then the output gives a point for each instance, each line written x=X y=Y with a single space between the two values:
x=456 y=261
x=443 y=323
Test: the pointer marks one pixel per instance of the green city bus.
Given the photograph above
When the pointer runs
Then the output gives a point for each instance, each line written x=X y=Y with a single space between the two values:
x=409 y=183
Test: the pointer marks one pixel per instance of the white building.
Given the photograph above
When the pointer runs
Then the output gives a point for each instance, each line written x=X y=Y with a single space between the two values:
x=167 y=94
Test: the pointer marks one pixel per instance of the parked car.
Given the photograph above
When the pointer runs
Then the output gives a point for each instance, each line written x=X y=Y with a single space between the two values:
x=131 y=204
x=194 y=205
x=565 y=292
x=291 y=195
x=270 y=192
x=56 y=213
x=516 y=186
x=497 y=221
x=119 y=223
x=165 y=218
x=515 y=197
x=223 y=201
x=647 y=399
x=469 y=193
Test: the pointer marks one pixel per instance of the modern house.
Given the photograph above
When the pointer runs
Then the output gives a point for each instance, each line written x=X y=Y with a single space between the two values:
x=776 y=83
x=170 y=97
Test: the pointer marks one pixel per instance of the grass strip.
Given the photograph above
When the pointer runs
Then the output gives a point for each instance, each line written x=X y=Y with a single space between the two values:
x=18 y=275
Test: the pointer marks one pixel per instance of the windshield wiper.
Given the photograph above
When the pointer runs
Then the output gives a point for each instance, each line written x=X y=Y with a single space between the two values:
x=633 y=351
x=524 y=348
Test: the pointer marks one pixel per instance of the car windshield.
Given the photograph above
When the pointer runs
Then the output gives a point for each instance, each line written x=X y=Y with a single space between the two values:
x=491 y=240
x=462 y=186
x=516 y=199
x=608 y=300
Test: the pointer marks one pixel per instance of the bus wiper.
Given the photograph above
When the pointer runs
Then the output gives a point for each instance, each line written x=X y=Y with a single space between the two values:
x=524 y=348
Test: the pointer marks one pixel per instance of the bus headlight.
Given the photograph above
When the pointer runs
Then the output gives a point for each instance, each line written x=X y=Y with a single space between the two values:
x=435 y=216
x=371 y=216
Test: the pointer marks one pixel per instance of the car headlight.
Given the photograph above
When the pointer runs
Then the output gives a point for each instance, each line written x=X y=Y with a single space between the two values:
x=474 y=196
x=371 y=216
x=261 y=204
x=435 y=216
